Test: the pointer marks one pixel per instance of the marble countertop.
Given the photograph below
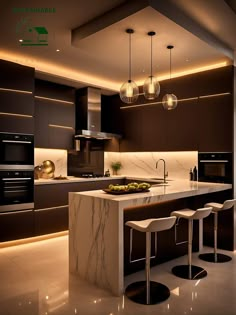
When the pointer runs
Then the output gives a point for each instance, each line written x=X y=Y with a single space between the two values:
x=72 y=179
x=174 y=189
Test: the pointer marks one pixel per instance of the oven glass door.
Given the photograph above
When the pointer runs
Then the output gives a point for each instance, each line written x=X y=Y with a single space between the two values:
x=19 y=151
x=16 y=190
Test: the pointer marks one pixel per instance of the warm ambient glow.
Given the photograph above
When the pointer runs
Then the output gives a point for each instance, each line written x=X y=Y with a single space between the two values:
x=16 y=115
x=59 y=126
x=32 y=239
x=53 y=99
x=180 y=100
x=54 y=69
x=17 y=91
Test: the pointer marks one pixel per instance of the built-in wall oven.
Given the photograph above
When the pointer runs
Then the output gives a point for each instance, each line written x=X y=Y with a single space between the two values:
x=16 y=190
x=215 y=167
x=16 y=172
x=16 y=151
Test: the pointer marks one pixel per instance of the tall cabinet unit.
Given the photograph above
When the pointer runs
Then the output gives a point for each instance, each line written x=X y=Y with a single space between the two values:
x=54 y=115
x=16 y=98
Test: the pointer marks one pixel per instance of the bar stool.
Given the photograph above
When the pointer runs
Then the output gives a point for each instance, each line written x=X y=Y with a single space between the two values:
x=217 y=207
x=148 y=292
x=190 y=271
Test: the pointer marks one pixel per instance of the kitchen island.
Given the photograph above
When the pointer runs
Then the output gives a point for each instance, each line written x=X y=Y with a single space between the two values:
x=96 y=228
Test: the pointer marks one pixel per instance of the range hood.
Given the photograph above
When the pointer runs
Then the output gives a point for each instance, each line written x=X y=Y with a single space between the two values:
x=88 y=115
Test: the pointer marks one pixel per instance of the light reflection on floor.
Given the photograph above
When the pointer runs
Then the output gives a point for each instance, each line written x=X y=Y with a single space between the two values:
x=34 y=280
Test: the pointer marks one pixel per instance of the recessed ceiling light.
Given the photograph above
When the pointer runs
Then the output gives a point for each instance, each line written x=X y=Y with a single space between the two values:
x=21 y=40
x=187 y=60
x=57 y=50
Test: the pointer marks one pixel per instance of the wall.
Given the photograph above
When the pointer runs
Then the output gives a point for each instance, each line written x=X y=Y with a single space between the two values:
x=144 y=163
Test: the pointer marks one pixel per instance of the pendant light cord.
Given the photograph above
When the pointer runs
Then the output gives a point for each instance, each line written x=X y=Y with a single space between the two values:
x=129 y=56
x=151 y=56
x=170 y=64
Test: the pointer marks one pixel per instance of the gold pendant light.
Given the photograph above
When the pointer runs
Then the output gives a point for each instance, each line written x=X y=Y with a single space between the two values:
x=151 y=87
x=169 y=101
x=129 y=91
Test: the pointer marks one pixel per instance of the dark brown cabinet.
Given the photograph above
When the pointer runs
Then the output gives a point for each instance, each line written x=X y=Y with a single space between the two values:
x=16 y=225
x=16 y=98
x=51 y=203
x=54 y=115
x=203 y=119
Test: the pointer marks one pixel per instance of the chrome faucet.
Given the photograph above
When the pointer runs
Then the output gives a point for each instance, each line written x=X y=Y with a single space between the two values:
x=165 y=173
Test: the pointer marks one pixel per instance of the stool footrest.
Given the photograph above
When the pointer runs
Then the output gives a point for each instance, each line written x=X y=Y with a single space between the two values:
x=182 y=271
x=210 y=257
x=137 y=292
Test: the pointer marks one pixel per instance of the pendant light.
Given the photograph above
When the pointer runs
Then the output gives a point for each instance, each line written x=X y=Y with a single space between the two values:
x=129 y=91
x=151 y=87
x=169 y=101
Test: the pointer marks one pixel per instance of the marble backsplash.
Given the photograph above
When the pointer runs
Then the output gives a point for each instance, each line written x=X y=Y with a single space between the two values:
x=59 y=158
x=178 y=164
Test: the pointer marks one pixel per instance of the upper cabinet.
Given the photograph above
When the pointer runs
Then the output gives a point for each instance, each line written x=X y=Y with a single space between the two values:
x=16 y=98
x=203 y=119
x=54 y=115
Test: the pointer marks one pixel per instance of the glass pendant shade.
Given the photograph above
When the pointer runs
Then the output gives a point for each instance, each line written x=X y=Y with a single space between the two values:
x=151 y=88
x=129 y=92
x=169 y=101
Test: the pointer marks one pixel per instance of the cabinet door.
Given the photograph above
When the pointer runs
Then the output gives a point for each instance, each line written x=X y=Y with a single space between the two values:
x=41 y=124
x=51 y=220
x=16 y=225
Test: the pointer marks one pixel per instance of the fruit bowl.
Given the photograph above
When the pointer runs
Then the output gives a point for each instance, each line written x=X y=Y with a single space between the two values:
x=127 y=189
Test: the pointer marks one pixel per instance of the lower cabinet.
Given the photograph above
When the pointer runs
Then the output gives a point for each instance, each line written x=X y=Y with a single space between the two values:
x=16 y=225
x=51 y=203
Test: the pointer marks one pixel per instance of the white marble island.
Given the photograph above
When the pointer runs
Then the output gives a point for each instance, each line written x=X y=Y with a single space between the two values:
x=96 y=228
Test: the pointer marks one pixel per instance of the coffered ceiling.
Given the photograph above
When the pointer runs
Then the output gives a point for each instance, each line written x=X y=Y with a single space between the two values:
x=202 y=32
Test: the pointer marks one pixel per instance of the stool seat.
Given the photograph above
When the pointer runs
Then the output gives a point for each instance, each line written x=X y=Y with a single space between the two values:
x=152 y=225
x=217 y=207
x=149 y=292
x=190 y=271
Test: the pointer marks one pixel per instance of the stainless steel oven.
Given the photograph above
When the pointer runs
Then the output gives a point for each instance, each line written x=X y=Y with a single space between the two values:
x=215 y=167
x=16 y=151
x=16 y=190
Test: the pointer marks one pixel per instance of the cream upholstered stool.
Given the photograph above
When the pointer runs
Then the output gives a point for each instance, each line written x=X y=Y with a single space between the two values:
x=190 y=271
x=216 y=207
x=148 y=292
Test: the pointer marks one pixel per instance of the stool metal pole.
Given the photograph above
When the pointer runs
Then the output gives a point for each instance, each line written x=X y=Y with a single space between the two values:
x=190 y=239
x=215 y=235
x=147 y=265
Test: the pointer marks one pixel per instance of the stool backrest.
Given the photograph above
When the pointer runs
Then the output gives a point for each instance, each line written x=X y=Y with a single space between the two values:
x=201 y=213
x=228 y=204
x=161 y=224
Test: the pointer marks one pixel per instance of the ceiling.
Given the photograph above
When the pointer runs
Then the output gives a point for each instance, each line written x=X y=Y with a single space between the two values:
x=202 y=32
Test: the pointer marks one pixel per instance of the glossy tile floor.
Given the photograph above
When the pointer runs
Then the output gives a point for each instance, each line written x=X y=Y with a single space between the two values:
x=34 y=280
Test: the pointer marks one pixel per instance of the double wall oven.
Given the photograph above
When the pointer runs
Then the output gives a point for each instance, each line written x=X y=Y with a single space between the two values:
x=16 y=172
x=215 y=167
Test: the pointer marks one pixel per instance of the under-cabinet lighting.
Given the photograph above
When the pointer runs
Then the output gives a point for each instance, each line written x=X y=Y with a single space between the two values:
x=180 y=100
x=214 y=95
x=59 y=126
x=16 y=115
x=16 y=91
x=53 y=99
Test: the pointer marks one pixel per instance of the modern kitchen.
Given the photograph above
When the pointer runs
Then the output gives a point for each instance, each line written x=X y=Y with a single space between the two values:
x=117 y=123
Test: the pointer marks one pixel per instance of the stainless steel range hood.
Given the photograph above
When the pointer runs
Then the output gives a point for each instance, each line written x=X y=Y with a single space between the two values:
x=88 y=115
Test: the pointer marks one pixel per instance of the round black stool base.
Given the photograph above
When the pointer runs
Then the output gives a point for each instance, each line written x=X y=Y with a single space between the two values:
x=182 y=271
x=137 y=292
x=220 y=258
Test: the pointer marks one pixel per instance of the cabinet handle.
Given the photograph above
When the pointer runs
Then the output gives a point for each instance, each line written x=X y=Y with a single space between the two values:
x=16 y=178
x=15 y=141
x=14 y=212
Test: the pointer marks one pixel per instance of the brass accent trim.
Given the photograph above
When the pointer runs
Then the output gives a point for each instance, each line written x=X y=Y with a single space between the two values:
x=59 y=126
x=16 y=91
x=53 y=99
x=16 y=115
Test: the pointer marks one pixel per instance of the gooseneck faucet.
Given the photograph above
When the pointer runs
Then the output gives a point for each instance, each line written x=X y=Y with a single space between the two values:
x=165 y=173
